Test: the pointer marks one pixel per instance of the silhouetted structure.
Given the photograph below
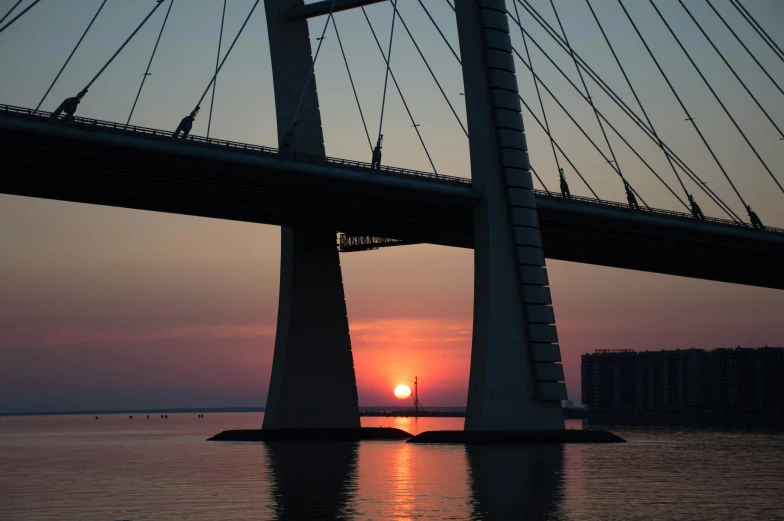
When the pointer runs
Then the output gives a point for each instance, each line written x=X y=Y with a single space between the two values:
x=564 y=185
x=416 y=396
x=630 y=197
x=754 y=218
x=375 y=163
x=739 y=380
x=696 y=211
x=186 y=125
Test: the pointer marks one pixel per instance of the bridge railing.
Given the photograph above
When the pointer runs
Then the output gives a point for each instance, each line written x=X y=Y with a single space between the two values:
x=222 y=143
x=136 y=130
x=647 y=209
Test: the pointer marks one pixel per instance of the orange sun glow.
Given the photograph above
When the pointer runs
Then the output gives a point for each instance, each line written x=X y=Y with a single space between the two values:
x=402 y=392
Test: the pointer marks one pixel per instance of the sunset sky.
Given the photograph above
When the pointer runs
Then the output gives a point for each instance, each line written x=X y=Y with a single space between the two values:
x=105 y=308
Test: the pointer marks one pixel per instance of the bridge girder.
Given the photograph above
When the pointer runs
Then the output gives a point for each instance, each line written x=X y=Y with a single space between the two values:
x=79 y=164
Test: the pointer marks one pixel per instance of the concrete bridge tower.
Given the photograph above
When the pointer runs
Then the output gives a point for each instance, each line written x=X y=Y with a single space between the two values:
x=516 y=380
x=312 y=343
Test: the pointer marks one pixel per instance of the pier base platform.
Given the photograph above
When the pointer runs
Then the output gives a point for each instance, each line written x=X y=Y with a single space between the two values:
x=517 y=437
x=348 y=434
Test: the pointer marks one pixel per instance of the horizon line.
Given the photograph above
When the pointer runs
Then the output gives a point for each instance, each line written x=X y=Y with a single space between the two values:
x=175 y=410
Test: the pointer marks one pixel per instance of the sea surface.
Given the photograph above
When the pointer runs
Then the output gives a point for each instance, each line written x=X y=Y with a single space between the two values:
x=115 y=468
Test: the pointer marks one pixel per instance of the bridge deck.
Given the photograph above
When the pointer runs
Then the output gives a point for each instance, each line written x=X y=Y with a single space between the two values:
x=98 y=162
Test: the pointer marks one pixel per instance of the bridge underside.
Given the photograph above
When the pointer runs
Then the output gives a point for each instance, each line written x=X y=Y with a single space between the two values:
x=71 y=163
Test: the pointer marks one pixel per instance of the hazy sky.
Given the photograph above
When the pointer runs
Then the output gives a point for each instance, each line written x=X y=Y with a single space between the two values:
x=112 y=308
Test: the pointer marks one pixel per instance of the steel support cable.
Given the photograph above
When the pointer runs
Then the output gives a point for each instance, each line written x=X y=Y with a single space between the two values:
x=10 y=11
x=452 y=50
x=541 y=125
x=625 y=141
x=587 y=68
x=636 y=97
x=629 y=113
x=149 y=64
x=625 y=108
x=399 y=91
x=564 y=109
x=547 y=131
x=585 y=86
x=17 y=17
x=569 y=115
x=451 y=5
x=217 y=59
x=351 y=80
x=443 y=36
x=538 y=94
x=591 y=73
x=603 y=85
x=310 y=73
x=433 y=74
x=680 y=102
x=100 y=8
x=539 y=178
x=106 y=65
x=539 y=19
x=721 y=55
x=388 y=60
x=758 y=28
x=751 y=54
x=228 y=52
x=716 y=96
x=70 y=105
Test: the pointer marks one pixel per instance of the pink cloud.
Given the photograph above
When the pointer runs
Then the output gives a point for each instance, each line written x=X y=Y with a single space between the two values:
x=76 y=335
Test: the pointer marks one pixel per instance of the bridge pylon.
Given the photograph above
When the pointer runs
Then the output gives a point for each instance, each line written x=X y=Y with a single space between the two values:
x=312 y=383
x=516 y=380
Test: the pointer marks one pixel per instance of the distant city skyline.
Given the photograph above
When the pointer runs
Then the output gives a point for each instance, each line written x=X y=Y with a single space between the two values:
x=106 y=308
x=689 y=382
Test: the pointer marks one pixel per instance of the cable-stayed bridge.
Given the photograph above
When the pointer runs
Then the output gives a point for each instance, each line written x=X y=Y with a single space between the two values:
x=516 y=378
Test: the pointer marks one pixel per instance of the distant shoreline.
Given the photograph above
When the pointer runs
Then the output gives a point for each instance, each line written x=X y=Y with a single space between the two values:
x=137 y=411
x=433 y=412
x=362 y=411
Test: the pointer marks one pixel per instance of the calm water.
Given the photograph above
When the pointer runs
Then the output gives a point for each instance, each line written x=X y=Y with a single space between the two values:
x=113 y=468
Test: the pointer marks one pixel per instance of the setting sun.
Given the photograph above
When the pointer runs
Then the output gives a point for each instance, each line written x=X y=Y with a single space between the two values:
x=402 y=392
